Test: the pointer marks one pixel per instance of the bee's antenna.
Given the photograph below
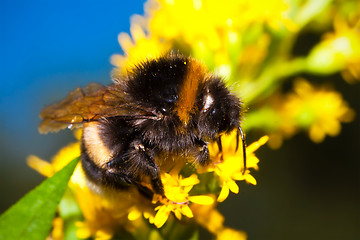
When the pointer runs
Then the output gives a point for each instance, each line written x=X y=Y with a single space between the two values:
x=238 y=134
x=218 y=141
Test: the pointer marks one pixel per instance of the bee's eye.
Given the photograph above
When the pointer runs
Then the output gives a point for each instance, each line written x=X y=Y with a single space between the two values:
x=170 y=98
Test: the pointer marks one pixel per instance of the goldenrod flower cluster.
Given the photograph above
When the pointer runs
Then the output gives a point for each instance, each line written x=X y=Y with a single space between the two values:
x=108 y=212
x=251 y=44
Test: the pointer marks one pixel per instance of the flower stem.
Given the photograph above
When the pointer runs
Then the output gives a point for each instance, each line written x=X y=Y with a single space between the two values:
x=271 y=78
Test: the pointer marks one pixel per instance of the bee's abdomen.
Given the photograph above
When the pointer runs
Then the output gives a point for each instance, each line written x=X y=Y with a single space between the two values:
x=105 y=142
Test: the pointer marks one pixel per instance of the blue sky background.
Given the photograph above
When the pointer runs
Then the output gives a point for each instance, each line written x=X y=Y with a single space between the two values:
x=48 y=48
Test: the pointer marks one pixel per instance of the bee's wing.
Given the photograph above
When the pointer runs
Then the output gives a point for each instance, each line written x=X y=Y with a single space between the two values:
x=88 y=104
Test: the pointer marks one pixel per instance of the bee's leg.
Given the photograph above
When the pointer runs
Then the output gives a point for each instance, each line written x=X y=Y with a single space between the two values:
x=145 y=191
x=158 y=186
x=142 y=161
x=202 y=152
x=121 y=174
x=218 y=141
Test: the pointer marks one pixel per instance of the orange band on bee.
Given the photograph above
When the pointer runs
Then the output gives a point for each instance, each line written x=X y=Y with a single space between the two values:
x=189 y=90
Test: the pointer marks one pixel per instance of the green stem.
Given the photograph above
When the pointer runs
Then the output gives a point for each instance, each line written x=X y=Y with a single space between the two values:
x=311 y=9
x=271 y=77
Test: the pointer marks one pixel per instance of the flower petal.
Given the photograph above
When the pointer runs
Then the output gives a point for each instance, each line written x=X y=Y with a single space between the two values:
x=255 y=145
x=233 y=186
x=161 y=216
x=43 y=167
x=83 y=230
x=103 y=234
x=223 y=194
x=177 y=214
x=134 y=214
x=190 y=181
x=228 y=233
x=203 y=200
x=250 y=179
x=185 y=210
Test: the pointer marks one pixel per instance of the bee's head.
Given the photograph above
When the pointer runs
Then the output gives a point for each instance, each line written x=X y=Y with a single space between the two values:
x=219 y=110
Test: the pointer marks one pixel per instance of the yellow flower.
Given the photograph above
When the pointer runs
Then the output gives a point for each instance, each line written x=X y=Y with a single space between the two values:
x=57 y=232
x=228 y=166
x=105 y=211
x=228 y=233
x=318 y=110
x=84 y=231
x=212 y=220
x=209 y=21
x=138 y=48
x=211 y=30
x=177 y=198
x=60 y=160
x=350 y=34
x=339 y=51
x=208 y=217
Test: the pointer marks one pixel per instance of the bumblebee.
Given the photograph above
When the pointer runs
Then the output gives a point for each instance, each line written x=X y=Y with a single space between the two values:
x=169 y=106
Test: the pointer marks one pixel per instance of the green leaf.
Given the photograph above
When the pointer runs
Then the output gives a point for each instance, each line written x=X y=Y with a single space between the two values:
x=32 y=215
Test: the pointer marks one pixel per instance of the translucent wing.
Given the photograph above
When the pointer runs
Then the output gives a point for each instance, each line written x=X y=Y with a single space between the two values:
x=88 y=104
